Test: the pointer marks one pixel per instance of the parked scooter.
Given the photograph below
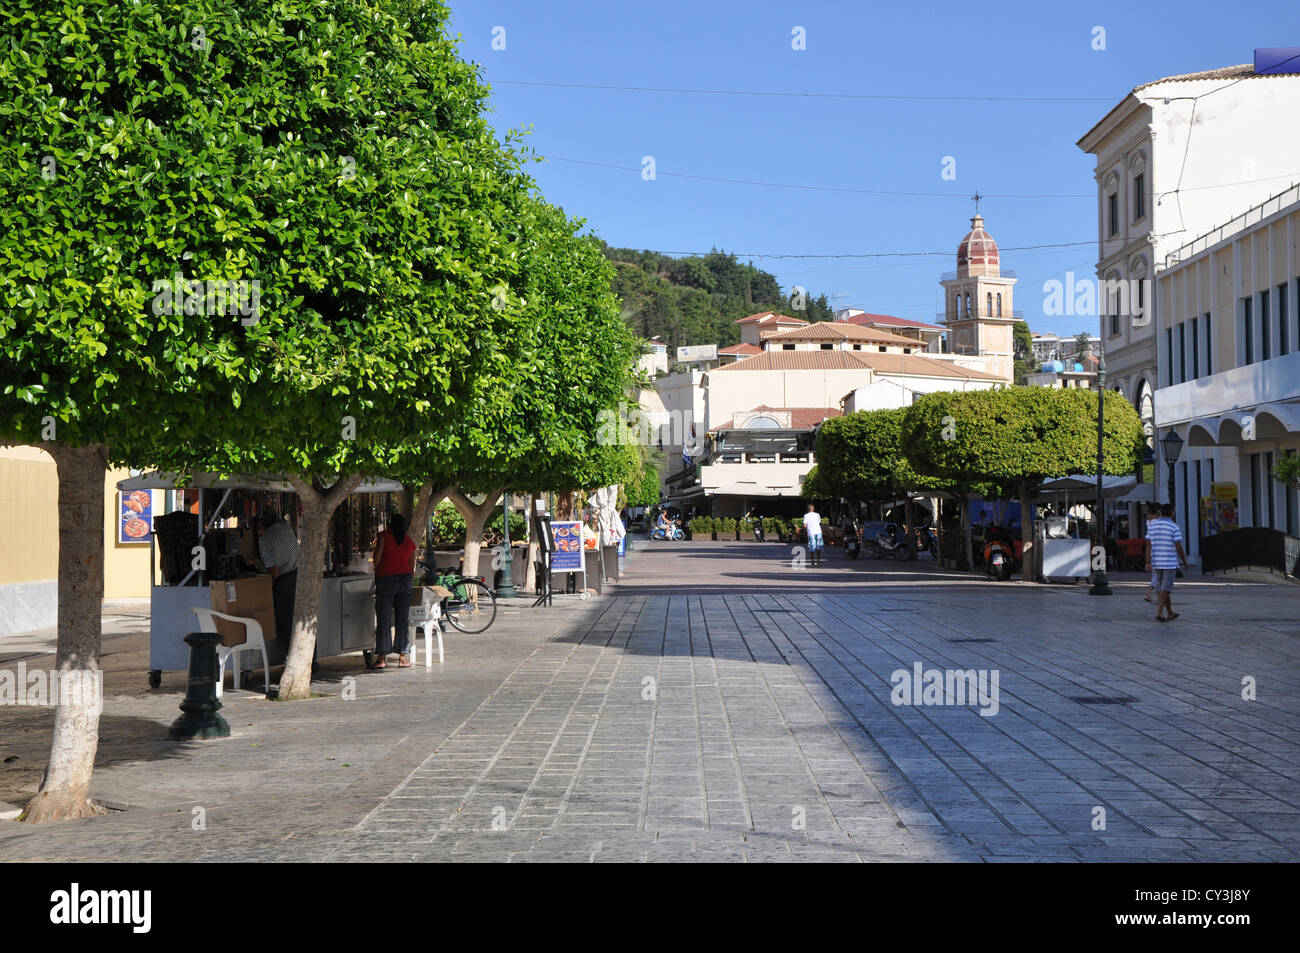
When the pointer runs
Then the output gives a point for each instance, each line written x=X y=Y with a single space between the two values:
x=852 y=545
x=892 y=542
x=999 y=555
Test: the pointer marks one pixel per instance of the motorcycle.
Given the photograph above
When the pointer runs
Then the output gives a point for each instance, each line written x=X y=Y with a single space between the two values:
x=891 y=542
x=759 y=535
x=852 y=545
x=673 y=531
x=999 y=557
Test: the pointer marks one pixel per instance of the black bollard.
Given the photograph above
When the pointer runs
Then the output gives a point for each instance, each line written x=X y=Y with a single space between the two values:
x=201 y=721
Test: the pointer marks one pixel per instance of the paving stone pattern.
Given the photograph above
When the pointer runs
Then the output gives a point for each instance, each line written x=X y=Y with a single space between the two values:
x=745 y=714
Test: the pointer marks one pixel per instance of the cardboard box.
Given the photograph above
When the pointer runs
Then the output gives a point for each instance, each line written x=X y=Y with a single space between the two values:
x=248 y=596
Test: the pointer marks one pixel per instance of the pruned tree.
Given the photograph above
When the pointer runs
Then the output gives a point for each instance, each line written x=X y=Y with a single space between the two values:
x=1019 y=437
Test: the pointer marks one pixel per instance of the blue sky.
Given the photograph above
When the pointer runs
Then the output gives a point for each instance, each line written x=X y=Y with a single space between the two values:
x=1006 y=150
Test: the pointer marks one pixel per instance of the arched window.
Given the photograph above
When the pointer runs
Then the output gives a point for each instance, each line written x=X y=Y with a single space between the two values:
x=968 y=311
x=988 y=303
x=999 y=304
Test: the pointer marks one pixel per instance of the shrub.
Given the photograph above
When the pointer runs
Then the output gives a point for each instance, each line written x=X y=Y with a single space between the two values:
x=701 y=527
x=726 y=528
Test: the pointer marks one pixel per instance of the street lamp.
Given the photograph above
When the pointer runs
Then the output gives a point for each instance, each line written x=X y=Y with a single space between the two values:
x=1100 y=582
x=1172 y=445
x=507 y=589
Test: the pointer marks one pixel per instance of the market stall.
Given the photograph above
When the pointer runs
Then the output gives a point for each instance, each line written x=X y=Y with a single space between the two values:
x=204 y=554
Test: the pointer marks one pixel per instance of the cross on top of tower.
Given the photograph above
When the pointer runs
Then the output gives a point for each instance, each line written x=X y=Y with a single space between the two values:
x=976 y=199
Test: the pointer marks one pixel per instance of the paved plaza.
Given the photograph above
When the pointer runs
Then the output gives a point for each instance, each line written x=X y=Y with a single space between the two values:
x=719 y=704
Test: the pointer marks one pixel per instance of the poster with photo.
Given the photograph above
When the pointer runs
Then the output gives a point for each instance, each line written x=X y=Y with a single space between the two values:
x=567 y=556
x=134 y=517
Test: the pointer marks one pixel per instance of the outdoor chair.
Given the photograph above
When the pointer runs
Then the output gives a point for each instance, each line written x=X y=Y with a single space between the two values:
x=426 y=620
x=253 y=641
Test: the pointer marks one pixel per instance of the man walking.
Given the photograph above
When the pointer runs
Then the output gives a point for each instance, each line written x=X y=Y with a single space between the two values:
x=812 y=522
x=1165 y=554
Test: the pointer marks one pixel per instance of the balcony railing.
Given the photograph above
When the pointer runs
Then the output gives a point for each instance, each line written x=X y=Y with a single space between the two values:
x=1004 y=273
x=1017 y=315
x=1243 y=221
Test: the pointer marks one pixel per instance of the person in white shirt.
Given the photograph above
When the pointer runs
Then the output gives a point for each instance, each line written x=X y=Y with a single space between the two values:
x=813 y=524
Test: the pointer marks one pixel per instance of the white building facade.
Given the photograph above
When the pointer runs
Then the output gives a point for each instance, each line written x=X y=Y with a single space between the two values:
x=1227 y=331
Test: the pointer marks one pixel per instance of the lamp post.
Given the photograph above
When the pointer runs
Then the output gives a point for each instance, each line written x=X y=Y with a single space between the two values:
x=1172 y=445
x=507 y=589
x=1100 y=581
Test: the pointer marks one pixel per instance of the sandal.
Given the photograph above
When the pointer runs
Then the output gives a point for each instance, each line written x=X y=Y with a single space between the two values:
x=378 y=663
x=1172 y=617
x=1161 y=618
x=403 y=661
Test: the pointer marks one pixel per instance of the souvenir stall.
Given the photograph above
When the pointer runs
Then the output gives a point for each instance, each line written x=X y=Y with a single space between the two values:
x=204 y=554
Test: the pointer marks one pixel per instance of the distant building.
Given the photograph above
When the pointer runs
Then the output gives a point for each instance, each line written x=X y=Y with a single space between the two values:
x=654 y=360
x=930 y=335
x=755 y=327
x=978 y=304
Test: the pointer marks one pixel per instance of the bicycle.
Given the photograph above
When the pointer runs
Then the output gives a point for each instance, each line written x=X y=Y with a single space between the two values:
x=472 y=605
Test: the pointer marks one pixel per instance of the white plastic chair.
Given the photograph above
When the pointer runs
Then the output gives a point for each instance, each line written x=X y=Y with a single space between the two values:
x=426 y=620
x=253 y=641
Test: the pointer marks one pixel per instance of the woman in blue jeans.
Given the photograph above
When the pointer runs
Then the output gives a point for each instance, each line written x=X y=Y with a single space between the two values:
x=394 y=566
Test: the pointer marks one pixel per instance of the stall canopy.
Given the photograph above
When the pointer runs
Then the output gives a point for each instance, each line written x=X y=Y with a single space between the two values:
x=272 y=483
x=1084 y=488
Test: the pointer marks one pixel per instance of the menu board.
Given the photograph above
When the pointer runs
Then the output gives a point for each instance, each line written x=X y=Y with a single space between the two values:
x=134 y=517
x=567 y=556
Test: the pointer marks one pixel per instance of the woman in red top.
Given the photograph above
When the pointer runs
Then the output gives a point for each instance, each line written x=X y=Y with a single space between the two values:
x=394 y=565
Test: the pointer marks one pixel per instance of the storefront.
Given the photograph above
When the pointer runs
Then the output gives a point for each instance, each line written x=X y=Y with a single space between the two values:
x=204 y=554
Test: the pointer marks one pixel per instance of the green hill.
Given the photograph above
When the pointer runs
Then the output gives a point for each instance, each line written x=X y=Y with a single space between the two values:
x=695 y=300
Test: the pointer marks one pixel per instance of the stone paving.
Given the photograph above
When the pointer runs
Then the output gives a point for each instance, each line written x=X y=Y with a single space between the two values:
x=721 y=705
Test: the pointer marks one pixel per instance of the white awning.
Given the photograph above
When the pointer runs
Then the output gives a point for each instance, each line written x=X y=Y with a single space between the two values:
x=270 y=483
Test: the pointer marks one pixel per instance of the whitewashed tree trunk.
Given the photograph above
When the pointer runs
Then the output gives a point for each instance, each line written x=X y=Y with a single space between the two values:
x=65 y=788
x=476 y=517
x=530 y=571
x=317 y=508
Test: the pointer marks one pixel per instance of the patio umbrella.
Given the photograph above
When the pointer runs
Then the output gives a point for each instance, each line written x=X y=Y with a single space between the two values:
x=605 y=500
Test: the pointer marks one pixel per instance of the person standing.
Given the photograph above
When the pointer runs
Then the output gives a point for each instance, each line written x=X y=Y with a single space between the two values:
x=394 y=566
x=812 y=522
x=278 y=548
x=1165 y=554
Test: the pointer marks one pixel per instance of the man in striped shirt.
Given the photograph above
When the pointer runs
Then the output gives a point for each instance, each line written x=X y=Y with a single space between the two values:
x=279 y=551
x=1164 y=556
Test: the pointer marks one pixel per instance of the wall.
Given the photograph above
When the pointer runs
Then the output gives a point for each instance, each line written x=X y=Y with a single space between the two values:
x=29 y=542
x=29 y=539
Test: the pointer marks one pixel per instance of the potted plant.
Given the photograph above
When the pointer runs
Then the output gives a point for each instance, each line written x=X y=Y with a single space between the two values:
x=744 y=528
x=726 y=528
x=701 y=529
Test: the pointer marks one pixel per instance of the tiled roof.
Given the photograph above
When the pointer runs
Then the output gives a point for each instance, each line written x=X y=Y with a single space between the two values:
x=840 y=331
x=1223 y=72
x=764 y=317
x=918 y=365
x=914 y=365
x=888 y=320
x=745 y=349
x=798 y=361
x=801 y=418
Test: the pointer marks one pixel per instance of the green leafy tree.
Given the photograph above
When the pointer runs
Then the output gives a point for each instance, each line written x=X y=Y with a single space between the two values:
x=1287 y=469
x=151 y=147
x=1019 y=437
x=860 y=457
x=1024 y=362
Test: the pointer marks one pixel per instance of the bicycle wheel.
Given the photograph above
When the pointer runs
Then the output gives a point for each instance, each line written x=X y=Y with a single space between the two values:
x=476 y=611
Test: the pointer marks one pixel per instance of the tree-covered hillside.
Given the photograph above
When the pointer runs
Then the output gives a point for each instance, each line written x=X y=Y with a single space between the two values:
x=695 y=300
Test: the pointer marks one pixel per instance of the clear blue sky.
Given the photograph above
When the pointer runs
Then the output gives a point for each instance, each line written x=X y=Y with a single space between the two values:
x=946 y=50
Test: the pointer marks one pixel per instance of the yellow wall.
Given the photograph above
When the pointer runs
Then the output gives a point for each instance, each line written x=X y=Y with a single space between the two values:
x=29 y=523
x=126 y=566
x=29 y=526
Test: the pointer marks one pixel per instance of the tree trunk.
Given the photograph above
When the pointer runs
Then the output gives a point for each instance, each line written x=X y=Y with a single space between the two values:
x=1026 y=533
x=476 y=517
x=65 y=788
x=317 y=508
x=967 y=548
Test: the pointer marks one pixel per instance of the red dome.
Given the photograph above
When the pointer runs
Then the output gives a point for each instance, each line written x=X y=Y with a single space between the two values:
x=977 y=249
